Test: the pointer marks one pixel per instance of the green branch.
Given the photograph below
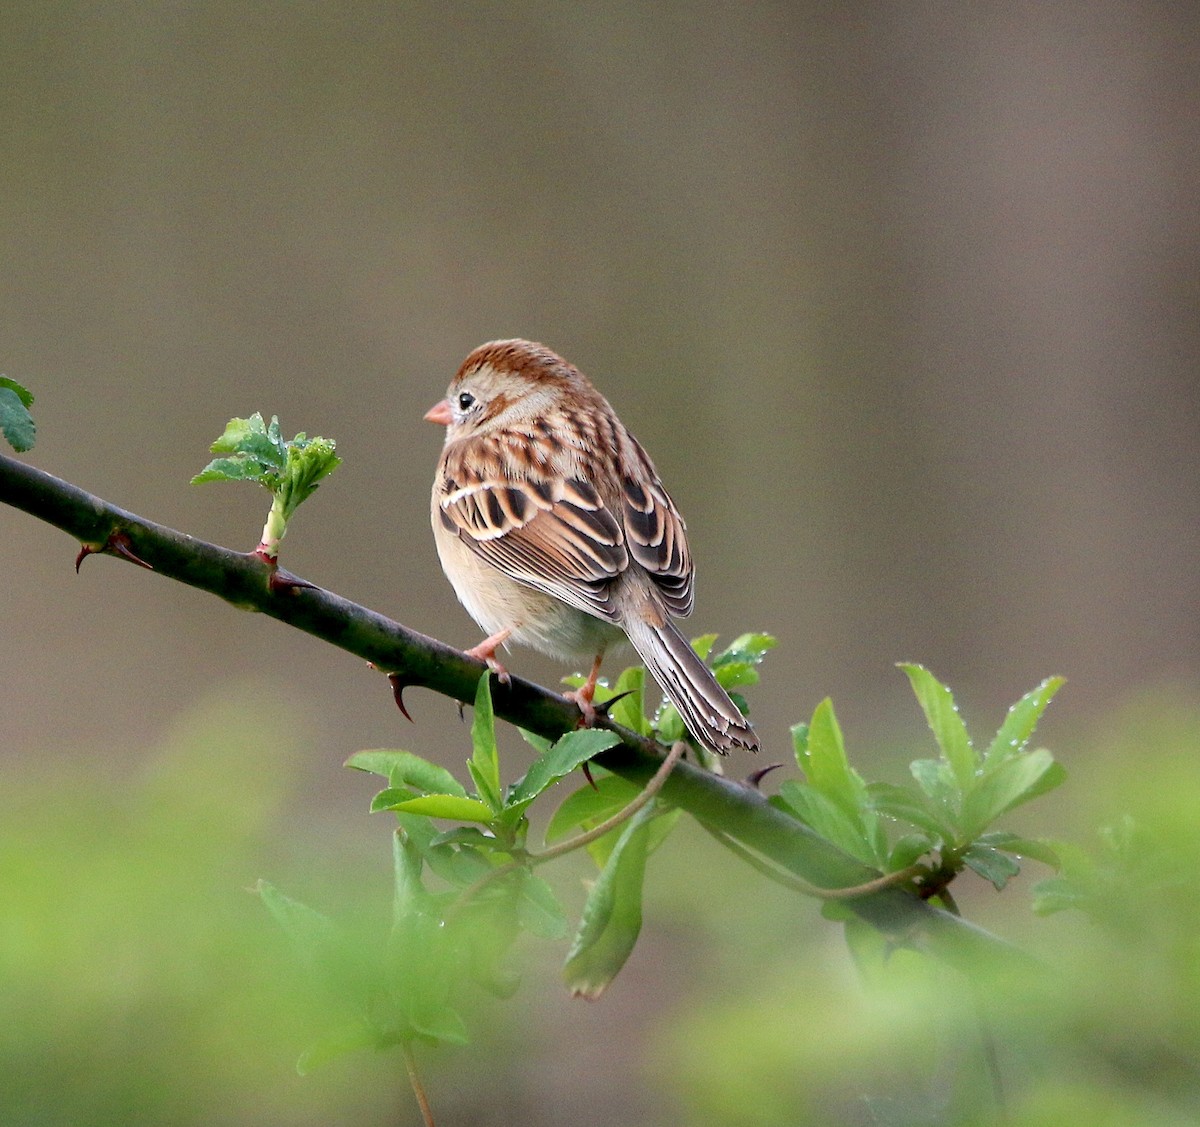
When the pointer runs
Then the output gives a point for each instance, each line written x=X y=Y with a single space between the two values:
x=246 y=581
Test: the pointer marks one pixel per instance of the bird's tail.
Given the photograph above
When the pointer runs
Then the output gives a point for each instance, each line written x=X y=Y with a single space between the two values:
x=690 y=686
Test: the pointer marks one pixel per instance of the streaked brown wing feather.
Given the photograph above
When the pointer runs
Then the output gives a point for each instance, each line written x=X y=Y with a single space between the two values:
x=655 y=532
x=554 y=534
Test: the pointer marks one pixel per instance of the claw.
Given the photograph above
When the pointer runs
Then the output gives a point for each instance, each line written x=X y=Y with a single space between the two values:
x=486 y=652
x=398 y=687
x=117 y=544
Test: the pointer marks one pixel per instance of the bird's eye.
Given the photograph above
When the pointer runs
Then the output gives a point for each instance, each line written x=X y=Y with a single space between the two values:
x=465 y=400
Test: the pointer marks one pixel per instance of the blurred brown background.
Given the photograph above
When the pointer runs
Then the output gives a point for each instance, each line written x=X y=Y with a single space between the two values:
x=901 y=298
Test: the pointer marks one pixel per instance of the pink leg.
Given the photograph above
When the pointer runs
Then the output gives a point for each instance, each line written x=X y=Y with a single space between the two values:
x=585 y=694
x=486 y=651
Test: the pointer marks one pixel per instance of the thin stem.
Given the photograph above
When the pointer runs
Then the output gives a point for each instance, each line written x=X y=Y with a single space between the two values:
x=624 y=814
x=563 y=847
x=796 y=884
x=414 y=1078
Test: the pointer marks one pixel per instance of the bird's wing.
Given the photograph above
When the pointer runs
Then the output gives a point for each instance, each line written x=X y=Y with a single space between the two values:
x=654 y=531
x=550 y=532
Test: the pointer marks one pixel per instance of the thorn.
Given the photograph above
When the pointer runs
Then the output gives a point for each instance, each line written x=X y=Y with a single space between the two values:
x=85 y=550
x=398 y=687
x=603 y=709
x=462 y=718
x=756 y=777
x=281 y=582
x=117 y=544
x=587 y=773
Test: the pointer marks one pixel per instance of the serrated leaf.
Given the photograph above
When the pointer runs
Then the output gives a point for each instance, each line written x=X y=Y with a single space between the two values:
x=589 y=806
x=484 y=763
x=630 y=711
x=668 y=724
x=1057 y=894
x=908 y=805
x=936 y=779
x=1021 y=721
x=403 y=768
x=19 y=390
x=612 y=914
x=830 y=820
x=1009 y=784
x=538 y=909
x=16 y=423
x=731 y=674
x=825 y=762
x=991 y=864
x=947 y=725
x=307 y=929
x=572 y=750
x=1036 y=849
x=539 y=743
x=908 y=850
x=750 y=648
x=339 y=1042
x=228 y=469
x=703 y=645
x=443 y=806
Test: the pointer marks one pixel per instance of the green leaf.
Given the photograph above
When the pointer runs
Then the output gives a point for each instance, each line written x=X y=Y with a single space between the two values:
x=347 y=1039
x=908 y=850
x=22 y=393
x=16 y=423
x=1036 y=849
x=947 y=725
x=438 y=806
x=750 y=648
x=668 y=724
x=589 y=806
x=703 y=645
x=825 y=762
x=612 y=914
x=800 y=744
x=538 y=909
x=1057 y=894
x=539 y=743
x=307 y=929
x=991 y=864
x=1011 y=783
x=830 y=819
x=402 y=768
x=630 y=710
x=1021 y=721
x=484 y=763
x=564 y=757
x=731 y=674
x=908 y=805
x=936 y=779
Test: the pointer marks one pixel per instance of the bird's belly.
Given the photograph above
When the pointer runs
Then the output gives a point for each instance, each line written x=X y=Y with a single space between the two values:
x=540 y=621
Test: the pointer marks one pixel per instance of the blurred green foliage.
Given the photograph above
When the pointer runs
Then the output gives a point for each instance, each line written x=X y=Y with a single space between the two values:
x=141 y=983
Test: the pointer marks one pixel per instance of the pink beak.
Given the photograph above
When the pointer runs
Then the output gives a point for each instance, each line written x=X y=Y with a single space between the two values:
x=440 y=413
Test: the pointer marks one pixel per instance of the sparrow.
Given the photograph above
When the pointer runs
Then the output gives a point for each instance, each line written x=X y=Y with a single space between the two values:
x=556 y=532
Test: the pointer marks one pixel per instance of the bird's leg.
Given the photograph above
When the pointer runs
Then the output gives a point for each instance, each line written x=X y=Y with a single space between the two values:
x=486 y=651
x=585 y=694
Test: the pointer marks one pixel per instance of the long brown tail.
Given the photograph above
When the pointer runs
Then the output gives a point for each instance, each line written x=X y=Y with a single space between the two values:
x=705 y=707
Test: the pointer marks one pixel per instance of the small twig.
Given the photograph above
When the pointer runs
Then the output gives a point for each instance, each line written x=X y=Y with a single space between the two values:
x=414 y=1078
x=852 y=892
x=624 y=814
x=563 y=847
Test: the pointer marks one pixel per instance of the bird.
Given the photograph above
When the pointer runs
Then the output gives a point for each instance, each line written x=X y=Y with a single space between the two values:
x=556 y=532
